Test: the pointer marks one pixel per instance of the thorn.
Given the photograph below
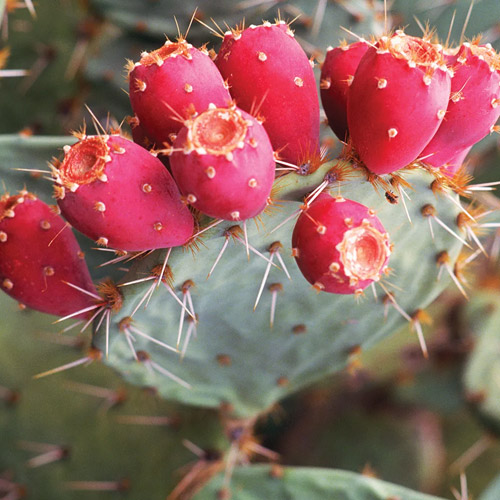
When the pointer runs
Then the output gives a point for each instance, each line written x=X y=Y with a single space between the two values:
x=122 y=485
x=274 y=288
x=164 y=263
x=95 y=122
x=466 y=22
x=264 y=279
x=190 y=331
x=144 y=420
x=224 y=246
x=146 y=296
x=405 y=195
x=360 y=38
x=126 y=325
x=158 y=368
x=58 y=453
x=450 y=28
x=390 y=296
x=319 y=16
x=245 y=233
x=77 y=313
x=289 y=218
x=193 y=448
x=429 y=211
x=181 y=321
x=443 y=261
x=94 y=355
x=483 y=444
x=91 y=294
x=417 y=319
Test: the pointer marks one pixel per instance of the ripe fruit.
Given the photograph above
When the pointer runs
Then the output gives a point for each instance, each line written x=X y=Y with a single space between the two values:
x=120 y=195
x=223 y=163
x=397 y=101
x=267 y=70
x=340 y=245
x=337 y=74
x=38 y=254
x=169 y=83
x=474 y=105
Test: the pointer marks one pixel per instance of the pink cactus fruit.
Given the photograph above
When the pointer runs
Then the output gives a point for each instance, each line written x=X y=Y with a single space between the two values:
x=38 y=254
x=223 y=163
x=474 y=105
x=267 y=70
x=337 y=74
x=397 y=101
x=120 y=195
x=169 y=83
x=340 y=245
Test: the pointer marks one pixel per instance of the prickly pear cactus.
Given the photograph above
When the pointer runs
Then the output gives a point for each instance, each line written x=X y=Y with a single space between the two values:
x=226 y=320
x=295 y=336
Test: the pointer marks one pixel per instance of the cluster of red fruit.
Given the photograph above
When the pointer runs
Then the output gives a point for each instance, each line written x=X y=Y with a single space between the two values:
x=208 y=131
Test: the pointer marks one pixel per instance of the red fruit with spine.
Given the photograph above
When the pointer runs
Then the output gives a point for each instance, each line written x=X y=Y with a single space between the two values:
x=340 y=245
x=169 y=83
x=337 y=74
x=474 y=105
x=38 y=254
x=267 y=70
x=397 y=101
x=223 y=163
x=120 y=195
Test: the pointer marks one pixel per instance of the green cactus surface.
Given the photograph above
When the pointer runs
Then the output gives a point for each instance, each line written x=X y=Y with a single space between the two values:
x=483 y=365
x=261 y=481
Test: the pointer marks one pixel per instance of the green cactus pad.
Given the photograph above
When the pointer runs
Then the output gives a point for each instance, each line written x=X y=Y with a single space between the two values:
x=297 y=483
x=32 y=153
x=483 y=366
x=237 y=358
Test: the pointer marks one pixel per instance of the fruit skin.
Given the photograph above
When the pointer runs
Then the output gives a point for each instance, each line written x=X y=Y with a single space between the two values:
x=267 y=70
x=121 y=196
x=397 y=101
x=169 y=84
x=337 y=73
x=340 y=245
x=38 y=253
x=474 y=105
x=231 y=182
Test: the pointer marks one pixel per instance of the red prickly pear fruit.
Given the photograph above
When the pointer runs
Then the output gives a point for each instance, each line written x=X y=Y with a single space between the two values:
x=397 y=101
x=169 y=83
x=474 y=105
x=120 y=195
x=269 y=73
x=340 y=245
x=38 y=254
x=337 y=74
x=223 y=163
